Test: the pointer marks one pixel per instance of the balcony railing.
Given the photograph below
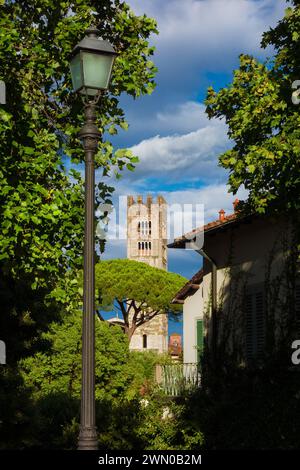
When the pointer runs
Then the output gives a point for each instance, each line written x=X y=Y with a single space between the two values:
x=178 y=379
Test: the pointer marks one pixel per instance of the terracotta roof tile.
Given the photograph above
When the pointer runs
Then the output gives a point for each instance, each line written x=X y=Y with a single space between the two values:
x=188 y=287
x=205 y=228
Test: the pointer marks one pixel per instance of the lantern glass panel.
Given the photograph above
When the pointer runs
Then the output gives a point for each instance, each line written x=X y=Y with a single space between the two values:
x=96 y=70
x=76 y=72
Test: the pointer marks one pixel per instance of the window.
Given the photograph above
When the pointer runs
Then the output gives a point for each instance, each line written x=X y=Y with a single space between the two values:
x=255 y=323
x=144 y=341
x=144 y=227
x=145 y=247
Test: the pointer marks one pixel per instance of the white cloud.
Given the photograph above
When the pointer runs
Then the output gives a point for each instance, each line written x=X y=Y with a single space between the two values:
x=214 y=197
x=183 y=161
x=180 y=153
x=198 y=45
x=187 y=209
x=198 y=40
x=182 y=118
x=210 y=30
x=191 y=156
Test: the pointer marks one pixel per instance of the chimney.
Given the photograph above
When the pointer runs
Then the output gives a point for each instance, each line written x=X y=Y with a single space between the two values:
x=235 y=204
x=221 y=215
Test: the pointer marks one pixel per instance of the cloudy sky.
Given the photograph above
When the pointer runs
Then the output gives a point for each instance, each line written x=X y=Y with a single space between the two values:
x=198 y=46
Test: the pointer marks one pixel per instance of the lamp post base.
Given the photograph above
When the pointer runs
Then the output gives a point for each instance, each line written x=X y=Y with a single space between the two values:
x=87 y=438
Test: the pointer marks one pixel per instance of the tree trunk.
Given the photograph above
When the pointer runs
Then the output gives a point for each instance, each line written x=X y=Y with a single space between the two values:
x=129 y=330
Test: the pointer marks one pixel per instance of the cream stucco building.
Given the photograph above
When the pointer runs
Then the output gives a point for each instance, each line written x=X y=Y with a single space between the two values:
x=191 y=296
x=251 y=286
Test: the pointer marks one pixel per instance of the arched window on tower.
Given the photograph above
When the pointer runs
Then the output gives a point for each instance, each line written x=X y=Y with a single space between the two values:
x=144 y=341
x=144 y=227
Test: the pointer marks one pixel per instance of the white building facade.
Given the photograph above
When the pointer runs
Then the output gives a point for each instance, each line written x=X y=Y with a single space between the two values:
x=191 y=296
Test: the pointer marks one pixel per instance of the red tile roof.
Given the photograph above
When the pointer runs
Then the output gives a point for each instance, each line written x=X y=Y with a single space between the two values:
x=180 y=241
x=188 y=288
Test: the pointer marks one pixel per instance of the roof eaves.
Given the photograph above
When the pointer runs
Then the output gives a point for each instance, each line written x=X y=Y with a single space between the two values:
x=191 y=286
x=208 y=228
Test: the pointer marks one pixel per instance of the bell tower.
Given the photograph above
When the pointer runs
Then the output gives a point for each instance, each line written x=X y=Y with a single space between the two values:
x=147 y=242
x=147 y=231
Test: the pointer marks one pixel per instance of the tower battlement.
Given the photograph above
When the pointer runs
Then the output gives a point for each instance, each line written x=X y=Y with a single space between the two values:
x=148 y=201
x=147 y=230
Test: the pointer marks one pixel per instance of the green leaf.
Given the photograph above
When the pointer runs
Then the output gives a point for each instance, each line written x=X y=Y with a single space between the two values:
x=130 y=167
x=124 y=125
x=28 y=150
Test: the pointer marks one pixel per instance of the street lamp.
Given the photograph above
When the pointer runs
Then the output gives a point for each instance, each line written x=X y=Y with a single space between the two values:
x=91 y=66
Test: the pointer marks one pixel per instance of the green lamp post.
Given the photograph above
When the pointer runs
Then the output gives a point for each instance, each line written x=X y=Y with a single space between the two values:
x=91 y=67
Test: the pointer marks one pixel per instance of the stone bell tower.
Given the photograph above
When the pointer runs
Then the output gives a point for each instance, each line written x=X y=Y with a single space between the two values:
x=147 y=242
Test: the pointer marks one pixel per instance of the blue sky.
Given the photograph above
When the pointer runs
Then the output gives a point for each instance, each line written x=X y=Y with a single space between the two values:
x=198 y=46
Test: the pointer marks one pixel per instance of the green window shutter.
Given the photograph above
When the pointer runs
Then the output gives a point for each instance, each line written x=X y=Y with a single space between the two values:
x=249 y=326
x=199 y=338
x=255 y=323
x=260 y=324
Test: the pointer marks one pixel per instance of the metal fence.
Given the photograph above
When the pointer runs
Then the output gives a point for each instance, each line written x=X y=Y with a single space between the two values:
x=177 y=379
